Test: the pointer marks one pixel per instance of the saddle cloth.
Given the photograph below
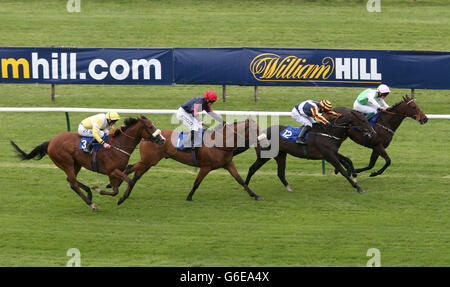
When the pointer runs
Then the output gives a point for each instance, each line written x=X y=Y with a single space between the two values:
x=84 y=142
x=291 y=133
x=184 y=141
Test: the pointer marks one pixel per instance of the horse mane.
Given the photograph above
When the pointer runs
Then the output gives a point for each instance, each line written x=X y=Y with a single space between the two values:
x=405 y=99
x=127 y=123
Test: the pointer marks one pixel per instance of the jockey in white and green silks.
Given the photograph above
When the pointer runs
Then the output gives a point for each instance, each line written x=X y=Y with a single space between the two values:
x=369 y=101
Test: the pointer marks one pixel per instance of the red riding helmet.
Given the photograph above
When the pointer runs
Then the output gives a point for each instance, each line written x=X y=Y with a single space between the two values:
x=211 y=96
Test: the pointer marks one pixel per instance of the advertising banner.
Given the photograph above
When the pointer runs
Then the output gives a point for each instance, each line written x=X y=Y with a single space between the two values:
x=94 y=66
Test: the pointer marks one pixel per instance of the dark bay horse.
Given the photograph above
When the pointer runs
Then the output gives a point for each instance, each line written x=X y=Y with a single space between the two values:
x=323 y=142
x=65 y=153
x=385 y=127
x=208 y=157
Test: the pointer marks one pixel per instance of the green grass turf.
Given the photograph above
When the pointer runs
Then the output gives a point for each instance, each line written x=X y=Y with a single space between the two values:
x=403 y=213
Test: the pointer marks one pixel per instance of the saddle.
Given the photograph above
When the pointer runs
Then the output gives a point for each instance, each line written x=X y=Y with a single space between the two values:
x=93 y=148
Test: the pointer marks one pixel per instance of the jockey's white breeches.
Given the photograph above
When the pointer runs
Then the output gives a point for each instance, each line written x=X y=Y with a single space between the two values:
x=304 y=120
x=84 y=132
x=365 y=109
x=188 y=120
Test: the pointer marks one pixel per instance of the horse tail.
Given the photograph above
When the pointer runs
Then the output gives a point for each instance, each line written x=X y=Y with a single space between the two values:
x=40 y=151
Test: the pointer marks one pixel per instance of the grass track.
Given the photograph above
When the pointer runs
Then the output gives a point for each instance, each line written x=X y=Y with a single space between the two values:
x=404 y=213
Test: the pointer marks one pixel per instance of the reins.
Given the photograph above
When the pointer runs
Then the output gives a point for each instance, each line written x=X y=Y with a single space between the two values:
x=157 y=132
x=416 y=116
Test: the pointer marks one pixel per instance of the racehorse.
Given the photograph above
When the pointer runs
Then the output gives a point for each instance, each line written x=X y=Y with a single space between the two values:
x=64 y=151
x=323 y=142
x=208 y=157
x=386 y=124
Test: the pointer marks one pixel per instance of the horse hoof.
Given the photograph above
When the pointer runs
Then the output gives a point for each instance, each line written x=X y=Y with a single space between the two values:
x=289 y=188
x=96 y=189
x=257 y=197
x=373 y=174
x=189 y=199
x=120 y=201
x=360 y=190
x=94 y=206
x=108 y=185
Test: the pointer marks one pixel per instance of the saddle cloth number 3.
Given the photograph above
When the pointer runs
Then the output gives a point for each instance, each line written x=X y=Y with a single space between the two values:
x=83 y=144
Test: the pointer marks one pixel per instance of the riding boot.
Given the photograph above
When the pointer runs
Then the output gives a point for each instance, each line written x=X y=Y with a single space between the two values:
x=301 y=136
x=194 y=150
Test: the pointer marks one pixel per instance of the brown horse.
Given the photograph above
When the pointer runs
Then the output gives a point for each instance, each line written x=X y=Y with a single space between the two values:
x=323 y=142
x=385 y=127
x=209 y=157
x=65 y=153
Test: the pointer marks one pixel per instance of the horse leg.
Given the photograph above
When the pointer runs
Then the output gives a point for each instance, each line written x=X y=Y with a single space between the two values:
x=115 y=178
x=383 y=154
x=127 y=171
x=333 y=159
x=74 y=184
x=200 y=176
x=233 y=171
x=373 y=159
x=348 y=164
x=255 y=166
x=281 y=162
x=86 y=188
x=139 y=169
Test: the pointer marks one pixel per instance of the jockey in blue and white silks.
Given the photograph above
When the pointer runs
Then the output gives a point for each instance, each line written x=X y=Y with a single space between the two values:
x=309 y=112
x=188 y=113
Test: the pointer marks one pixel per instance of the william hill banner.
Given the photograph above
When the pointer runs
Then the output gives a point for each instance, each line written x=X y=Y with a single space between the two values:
x=226 y=66
x=312 y=67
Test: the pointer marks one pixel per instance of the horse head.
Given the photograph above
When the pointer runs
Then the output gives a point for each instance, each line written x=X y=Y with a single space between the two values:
x=409 y=108
x=243 y=133
x=150 y=131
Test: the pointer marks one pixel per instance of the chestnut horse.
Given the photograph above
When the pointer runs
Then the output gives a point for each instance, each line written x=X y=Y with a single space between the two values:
x=323 y=142
x=65 y=153
x=209 y=157
x=387 y=123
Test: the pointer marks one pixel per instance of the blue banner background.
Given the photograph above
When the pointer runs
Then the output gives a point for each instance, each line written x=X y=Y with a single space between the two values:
x=245 y=66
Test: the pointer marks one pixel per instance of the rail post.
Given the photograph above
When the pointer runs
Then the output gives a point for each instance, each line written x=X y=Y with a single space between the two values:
x=68 y=121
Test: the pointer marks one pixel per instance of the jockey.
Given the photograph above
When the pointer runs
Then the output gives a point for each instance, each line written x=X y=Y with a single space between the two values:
x=97 y=126
x=309 y=112
x=370 y=101
x=188 y=113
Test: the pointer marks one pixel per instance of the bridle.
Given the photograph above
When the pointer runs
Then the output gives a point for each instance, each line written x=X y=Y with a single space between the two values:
x=147 y=129
x=416 y=117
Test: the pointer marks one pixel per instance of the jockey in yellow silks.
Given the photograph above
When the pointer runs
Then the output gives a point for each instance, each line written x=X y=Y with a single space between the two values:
x=97 y=126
